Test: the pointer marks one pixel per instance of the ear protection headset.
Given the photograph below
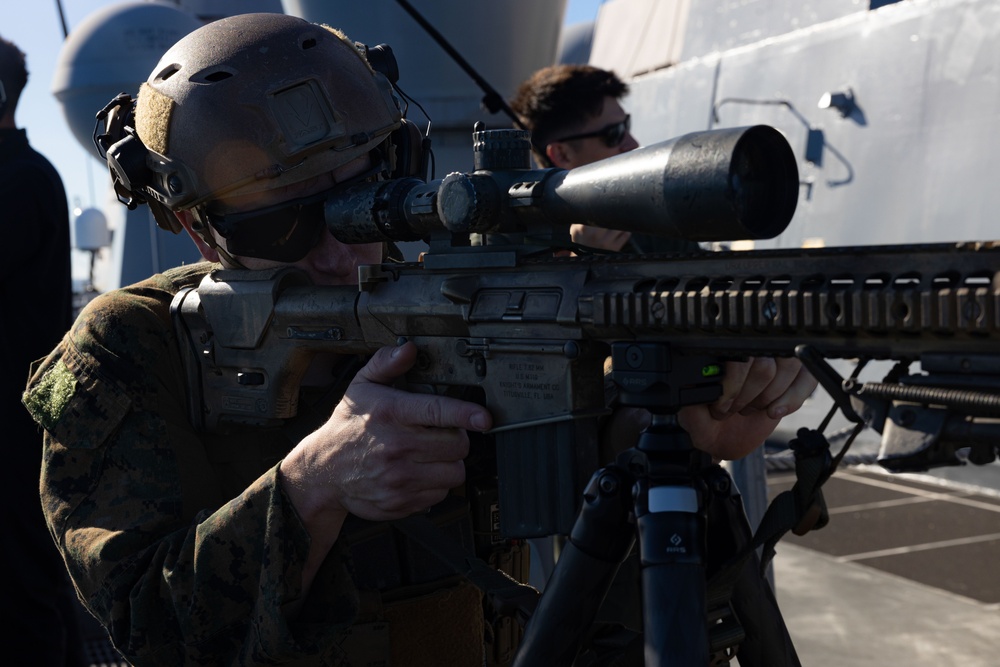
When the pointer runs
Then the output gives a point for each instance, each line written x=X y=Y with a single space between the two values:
x=410 y=144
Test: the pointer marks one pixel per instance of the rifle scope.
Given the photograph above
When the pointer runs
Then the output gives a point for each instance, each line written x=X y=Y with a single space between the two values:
x=718 y=185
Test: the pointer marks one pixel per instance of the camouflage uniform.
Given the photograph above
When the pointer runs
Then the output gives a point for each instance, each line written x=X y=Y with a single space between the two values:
x=183 y=544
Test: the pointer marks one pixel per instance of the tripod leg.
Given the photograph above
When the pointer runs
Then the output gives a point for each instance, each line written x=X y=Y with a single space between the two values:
x=671 y=541
x=601 y=539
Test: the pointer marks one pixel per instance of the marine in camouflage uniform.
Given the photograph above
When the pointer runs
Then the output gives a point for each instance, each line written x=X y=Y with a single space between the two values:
x=187 y=546
x=183 y=544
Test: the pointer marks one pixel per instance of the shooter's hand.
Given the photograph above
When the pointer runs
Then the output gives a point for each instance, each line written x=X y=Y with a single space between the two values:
x=597 y=237
x=385 y=453
x=755 y=396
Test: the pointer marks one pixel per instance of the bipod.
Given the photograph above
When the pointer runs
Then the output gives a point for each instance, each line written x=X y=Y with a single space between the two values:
x=689 y=522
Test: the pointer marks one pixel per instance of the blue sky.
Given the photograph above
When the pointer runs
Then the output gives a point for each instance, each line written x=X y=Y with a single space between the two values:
x=35 y=26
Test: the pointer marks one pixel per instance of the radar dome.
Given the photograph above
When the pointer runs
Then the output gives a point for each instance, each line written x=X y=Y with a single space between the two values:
x=90 y=229
x=113 y=51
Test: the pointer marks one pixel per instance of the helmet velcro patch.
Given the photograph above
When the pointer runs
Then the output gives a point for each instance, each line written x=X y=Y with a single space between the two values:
x=152 y=118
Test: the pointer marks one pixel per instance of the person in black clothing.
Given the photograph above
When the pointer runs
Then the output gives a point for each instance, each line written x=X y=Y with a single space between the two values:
x=38 y=603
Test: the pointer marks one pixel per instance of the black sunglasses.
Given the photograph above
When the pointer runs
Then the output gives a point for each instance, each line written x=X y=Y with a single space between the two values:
x=284 y=232
x=612 y=135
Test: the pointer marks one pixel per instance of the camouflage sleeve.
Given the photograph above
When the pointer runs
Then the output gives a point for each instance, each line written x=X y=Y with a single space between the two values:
x=175 y=572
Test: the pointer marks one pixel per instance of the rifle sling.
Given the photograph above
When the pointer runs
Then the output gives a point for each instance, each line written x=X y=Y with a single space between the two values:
x=798 y=509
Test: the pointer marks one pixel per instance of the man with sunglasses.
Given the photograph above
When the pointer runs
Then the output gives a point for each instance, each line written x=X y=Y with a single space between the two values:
x=575 y=117
x=271 y=544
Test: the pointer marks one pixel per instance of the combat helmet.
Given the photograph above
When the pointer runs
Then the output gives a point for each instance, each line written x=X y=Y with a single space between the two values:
x=245 y=104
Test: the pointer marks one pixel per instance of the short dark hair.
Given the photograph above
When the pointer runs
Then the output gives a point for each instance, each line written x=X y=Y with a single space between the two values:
x=558 y=99
x=13 y=73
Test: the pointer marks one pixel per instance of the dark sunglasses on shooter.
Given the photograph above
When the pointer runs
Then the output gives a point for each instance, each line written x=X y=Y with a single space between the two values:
x=284 y=232
x=612 y=135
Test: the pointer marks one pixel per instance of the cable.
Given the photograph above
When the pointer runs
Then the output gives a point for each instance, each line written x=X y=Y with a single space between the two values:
x=492 y=100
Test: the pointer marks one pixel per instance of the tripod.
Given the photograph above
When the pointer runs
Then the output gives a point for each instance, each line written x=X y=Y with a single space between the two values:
x=703 y=592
